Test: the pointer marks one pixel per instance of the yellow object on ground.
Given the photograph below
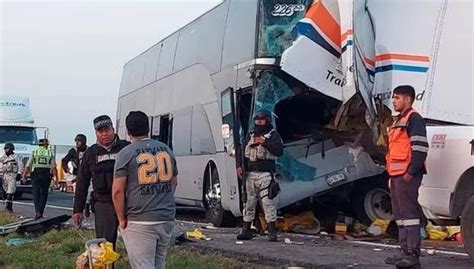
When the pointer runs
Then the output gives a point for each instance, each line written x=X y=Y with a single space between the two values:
x=382 y=223
x=103 y=256
x=442 y=232
x=453 y=230
x=107 y=257
x=436 y=232
x=196 y=234
x=295 y=223
x=340 y=228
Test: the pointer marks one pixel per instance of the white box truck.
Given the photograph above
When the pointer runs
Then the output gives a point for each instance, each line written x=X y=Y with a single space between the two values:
x=426 y=44
x=17 y=127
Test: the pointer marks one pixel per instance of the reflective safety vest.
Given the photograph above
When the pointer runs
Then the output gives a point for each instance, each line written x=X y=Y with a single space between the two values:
x=399 y=146
x=42 y=158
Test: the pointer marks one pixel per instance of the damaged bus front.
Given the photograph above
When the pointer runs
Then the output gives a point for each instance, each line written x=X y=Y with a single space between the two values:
x=323 y=122
x=201 y=85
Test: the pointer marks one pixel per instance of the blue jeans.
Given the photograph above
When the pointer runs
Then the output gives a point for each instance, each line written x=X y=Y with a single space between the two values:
x=146 y=244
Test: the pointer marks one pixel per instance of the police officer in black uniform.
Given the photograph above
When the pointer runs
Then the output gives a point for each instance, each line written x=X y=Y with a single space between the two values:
x=98 y=164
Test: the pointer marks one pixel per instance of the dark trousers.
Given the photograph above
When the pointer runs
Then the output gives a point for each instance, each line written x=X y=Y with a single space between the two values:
x=40 y=186
x=106 y=222
x=406 y=211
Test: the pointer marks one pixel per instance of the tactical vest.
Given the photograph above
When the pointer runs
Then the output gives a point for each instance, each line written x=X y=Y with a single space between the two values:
x=42 y=158
x=103 y=172
x=254 y=153
x=10 y=164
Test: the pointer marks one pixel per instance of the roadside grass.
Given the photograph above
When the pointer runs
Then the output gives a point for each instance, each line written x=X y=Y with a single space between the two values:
x=60 y=249
x=6 y=218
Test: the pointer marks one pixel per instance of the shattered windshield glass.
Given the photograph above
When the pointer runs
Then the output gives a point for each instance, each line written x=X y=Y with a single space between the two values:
x=271 y=90
x=277 y=20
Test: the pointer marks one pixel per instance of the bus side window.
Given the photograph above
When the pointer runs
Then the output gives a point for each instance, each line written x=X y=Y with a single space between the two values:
x=227 y=117
x=164 y=128
x=155 y=128
x=161 y=129
x=227 y=108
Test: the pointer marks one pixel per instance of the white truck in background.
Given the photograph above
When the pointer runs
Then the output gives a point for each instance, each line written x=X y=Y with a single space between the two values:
x=17 y=127
x=426 y=44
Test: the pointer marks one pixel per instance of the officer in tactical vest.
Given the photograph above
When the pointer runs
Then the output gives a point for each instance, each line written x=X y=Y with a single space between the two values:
x=98 y=165
x=11 y=167
x=42 y=166
x=262 y=147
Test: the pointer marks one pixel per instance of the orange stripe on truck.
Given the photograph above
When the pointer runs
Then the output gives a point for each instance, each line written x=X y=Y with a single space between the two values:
x=396 y=56
x=346 y=34
x=369 y=61
x=325 y=21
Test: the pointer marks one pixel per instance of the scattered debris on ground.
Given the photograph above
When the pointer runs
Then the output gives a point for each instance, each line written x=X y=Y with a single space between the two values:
x=34 y=226
x=197 y=234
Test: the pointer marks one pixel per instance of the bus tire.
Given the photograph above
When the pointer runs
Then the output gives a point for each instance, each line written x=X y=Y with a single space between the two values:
x=370 y=200
x=467 y=226
x=215 y=214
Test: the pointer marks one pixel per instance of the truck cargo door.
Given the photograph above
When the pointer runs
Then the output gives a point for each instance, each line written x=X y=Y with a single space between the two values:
x=321 y=55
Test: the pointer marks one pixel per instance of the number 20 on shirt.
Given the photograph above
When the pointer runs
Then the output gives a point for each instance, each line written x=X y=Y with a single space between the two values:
x=154 y=168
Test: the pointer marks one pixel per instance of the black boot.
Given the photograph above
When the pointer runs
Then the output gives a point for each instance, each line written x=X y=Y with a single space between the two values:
x=411 y=260
x=395 y=258
x=38 y=216
x=272 y=232
x=246 y=233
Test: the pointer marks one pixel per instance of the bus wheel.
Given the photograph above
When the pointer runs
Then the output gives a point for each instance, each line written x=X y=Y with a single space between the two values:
x=467 y=226
x=212 y=200
x=371 y=200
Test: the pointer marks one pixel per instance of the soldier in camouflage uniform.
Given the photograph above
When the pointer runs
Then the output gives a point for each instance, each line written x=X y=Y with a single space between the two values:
x=261 y=148
x=11 y=168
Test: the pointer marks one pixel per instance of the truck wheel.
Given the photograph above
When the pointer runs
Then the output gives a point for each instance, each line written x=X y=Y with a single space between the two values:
x=215 y=214
x=467 y=226
x=371 y=200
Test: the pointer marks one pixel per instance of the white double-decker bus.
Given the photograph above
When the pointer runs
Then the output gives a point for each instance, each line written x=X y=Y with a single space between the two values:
x=200 y=87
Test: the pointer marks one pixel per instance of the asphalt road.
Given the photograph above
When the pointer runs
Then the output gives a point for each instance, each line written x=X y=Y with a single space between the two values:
x=308 y=251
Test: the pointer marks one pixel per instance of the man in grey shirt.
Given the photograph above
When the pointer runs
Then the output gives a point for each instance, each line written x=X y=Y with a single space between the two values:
x=143 y=194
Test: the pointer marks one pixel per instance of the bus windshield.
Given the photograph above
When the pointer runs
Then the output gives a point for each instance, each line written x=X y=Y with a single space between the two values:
x=276 y=29
x=13 y=134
